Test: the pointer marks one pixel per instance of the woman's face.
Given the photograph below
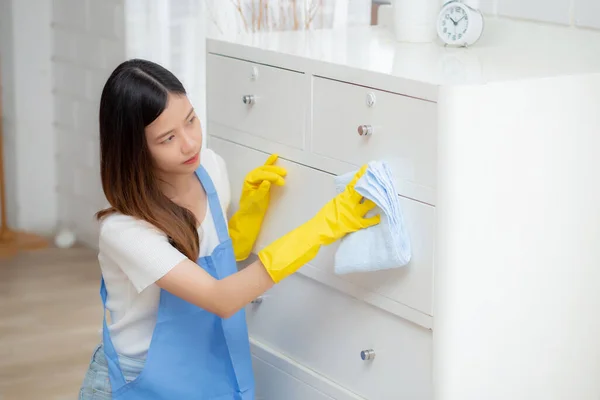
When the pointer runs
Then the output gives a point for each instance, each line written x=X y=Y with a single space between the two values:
x=175 y=137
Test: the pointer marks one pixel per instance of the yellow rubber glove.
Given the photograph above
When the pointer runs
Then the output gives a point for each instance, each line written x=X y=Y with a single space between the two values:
x=341 y=215
x=245 y=224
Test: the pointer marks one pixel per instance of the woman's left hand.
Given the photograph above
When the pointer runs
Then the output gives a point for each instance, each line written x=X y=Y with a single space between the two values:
x=245 y=224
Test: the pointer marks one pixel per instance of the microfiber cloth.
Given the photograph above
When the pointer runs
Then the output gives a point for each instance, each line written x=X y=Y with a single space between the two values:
x=385 y=245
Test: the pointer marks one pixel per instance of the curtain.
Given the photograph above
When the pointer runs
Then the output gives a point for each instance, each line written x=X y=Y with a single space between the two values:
x=243 y=16
x=173 y=32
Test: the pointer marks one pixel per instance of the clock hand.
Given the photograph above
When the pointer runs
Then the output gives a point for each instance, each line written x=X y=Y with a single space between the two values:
x=464 y=16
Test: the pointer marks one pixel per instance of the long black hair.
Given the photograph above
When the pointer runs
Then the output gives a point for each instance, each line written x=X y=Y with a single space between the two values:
x=134 y=95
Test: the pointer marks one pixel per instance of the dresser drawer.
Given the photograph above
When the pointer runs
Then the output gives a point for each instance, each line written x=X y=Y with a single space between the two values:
x=273 y=384
x=404 y=132
x=279 y=377
x=278 y=109
x=305 y=192
x=327 y=331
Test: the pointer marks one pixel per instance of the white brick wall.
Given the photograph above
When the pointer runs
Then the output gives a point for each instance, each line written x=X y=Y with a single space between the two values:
x=8 y=107
x=88 y=43
x=577 y=13
x=29 y=143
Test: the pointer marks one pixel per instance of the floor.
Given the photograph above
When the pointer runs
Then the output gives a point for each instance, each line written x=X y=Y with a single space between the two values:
x=50 y=316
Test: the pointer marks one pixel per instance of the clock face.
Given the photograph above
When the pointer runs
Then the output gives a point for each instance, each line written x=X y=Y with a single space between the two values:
x=453 y=24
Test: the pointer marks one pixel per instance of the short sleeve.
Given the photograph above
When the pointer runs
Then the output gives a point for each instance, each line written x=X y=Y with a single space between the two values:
x=142 y=251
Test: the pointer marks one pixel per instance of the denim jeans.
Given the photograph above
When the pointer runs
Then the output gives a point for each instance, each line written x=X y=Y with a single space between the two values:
x=96 y=384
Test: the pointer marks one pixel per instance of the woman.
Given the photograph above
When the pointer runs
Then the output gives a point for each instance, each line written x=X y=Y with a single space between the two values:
x=167 y=256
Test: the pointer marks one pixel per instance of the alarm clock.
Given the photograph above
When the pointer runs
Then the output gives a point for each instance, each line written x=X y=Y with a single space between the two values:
x=459 y=24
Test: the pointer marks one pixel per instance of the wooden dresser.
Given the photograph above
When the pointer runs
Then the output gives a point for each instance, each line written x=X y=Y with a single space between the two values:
x=494 y=150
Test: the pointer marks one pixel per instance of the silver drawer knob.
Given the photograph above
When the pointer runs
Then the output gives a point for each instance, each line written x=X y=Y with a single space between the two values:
x=366 y=355
x=248 y=99
x=365 y=130
x=257 y=300
x=371 y=99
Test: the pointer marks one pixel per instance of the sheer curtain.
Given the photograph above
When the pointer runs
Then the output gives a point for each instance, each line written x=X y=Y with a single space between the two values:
x=173 y=32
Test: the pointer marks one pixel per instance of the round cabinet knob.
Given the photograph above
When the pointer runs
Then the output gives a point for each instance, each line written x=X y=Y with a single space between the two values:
x=365 y=130
x=371 y=99
x=257 y=300
x=248 y=99
x=367 y=355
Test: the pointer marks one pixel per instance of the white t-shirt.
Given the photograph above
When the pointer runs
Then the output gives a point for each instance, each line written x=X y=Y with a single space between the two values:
x=133 y=255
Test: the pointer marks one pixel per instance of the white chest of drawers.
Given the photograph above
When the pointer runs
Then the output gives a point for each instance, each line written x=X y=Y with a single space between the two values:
x=495 y=152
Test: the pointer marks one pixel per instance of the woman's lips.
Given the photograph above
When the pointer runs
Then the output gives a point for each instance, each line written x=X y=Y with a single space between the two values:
x=193 y=159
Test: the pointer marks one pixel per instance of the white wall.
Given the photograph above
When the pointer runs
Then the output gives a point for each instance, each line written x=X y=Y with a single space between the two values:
x=88 y=43
x=8 y=115
x=54 y=62
x=29 y=142
x=580 y=13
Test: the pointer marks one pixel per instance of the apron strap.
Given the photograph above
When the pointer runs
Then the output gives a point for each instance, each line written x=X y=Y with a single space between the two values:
x=114 y=369
x=215 y=205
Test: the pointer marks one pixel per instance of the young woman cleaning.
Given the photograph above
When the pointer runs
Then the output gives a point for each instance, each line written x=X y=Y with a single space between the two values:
x=168 y=256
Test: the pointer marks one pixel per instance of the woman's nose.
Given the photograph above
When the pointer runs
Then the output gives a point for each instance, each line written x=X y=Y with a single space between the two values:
x=188 y=144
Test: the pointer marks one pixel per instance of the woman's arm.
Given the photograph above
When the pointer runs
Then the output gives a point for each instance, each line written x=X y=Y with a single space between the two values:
x=146 y=256
x=344 y=214
x=222 y=297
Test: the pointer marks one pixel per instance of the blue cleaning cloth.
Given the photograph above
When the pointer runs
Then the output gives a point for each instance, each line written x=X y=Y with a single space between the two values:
x=385 y=245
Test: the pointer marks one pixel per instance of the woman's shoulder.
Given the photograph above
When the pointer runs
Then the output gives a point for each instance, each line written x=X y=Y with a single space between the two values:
x=118 y=225
x=137 y=248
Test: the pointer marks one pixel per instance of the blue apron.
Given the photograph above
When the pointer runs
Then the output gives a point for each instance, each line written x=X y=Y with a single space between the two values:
x=194 y=354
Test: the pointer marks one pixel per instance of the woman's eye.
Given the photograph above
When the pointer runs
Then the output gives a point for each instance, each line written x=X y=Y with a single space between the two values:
x=191 y=121
x=167 y=140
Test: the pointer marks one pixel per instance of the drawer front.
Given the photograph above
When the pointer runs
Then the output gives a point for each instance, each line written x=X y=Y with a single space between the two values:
x=278 y=110
x=404 y=132
x=272 y=384
x=305 y=192
x=327 y=331
x=279 y=377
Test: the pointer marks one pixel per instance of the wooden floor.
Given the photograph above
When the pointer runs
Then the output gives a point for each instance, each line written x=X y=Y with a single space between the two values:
x=50 y=319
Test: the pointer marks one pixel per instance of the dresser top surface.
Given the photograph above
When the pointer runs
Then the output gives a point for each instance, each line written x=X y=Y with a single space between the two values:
x=508 y=51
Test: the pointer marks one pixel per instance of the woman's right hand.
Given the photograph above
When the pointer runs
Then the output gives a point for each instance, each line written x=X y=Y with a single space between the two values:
x=343 y=214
